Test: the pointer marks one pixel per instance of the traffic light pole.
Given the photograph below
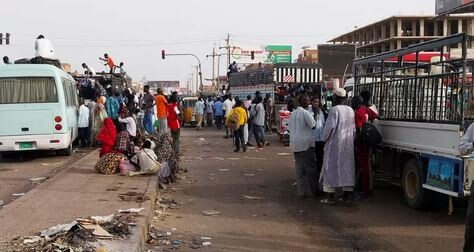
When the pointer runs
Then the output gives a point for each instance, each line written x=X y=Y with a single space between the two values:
x=201 y=87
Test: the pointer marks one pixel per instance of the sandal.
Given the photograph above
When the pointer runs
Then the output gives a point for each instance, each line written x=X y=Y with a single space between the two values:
x=328 y=202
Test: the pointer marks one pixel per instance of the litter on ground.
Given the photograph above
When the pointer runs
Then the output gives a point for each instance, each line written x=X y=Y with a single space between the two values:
x=211 y=212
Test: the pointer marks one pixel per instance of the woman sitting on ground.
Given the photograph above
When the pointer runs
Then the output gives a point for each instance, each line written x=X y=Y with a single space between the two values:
x=122 y=143
x=107 y=136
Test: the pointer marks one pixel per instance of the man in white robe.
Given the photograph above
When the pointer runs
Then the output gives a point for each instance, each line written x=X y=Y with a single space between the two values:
x=338 y=166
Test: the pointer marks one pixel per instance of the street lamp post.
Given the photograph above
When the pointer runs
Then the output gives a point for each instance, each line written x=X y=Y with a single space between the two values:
x=199 y=64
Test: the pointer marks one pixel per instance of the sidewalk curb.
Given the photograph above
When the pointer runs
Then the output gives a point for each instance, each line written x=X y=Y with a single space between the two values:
x=140 y=235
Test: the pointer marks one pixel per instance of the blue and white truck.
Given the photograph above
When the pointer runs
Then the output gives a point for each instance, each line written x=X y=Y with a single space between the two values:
x=424 y=109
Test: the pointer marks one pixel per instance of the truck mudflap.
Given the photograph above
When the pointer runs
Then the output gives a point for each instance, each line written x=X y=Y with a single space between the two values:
x=447 y=175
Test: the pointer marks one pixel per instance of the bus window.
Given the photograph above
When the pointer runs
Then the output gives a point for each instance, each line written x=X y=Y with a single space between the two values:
x=28 y=90
x=67 y=98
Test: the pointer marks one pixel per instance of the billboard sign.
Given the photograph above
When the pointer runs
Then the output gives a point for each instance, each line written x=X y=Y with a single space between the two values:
x=445 y=6
x=163 y=84
x=267 y=54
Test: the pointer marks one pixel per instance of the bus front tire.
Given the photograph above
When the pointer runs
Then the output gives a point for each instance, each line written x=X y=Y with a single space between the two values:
x=413 y=178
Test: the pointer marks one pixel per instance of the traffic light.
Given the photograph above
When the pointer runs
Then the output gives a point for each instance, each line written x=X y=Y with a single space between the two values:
x=7 y=39
x=163 y=54
x=252 y=55
x=1 y=38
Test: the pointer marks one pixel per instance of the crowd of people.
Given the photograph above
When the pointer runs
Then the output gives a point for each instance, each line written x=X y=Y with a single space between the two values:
x=242 y=120
x=114 y=122
x=336 y=159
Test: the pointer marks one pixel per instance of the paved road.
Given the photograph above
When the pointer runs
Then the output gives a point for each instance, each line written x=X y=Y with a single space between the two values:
x=279 y=221
x=17 y=169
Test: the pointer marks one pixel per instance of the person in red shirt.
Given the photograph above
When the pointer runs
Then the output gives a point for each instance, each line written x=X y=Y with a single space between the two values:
x=109 y=62
x=363 y=114
x=107 y=136
x=174 y=121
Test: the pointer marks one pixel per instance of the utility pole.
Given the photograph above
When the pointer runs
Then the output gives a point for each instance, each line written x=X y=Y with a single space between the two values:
x=228 y=49
x=214 y=55
x=197 y=78
x=214 y=66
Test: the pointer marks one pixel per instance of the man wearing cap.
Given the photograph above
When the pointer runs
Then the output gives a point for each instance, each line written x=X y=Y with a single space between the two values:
x=338 y=166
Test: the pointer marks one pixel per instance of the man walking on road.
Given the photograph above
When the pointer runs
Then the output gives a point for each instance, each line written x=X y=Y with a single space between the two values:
x=199 y=110
x=218 y=112
x=228 y=105
x=301 y=128
x=258 y=115
x=466 y=147
x=161 y=104
x=209 y=111
x=269 y=113
x=338 y=166
x=148 y=103
x=237 y=119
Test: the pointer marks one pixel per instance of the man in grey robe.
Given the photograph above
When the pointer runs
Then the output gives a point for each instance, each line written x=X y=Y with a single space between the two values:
x=338 y=166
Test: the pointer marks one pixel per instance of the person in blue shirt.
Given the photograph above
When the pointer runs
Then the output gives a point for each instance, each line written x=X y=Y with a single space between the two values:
x=112 y=106
x=218 y=112
x=199 y=110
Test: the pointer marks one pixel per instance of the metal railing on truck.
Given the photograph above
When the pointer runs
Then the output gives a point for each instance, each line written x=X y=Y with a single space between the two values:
x=421 y=91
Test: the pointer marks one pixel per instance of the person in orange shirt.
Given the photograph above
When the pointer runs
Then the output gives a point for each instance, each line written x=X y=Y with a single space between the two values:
x=161 y=104
x=109 y=62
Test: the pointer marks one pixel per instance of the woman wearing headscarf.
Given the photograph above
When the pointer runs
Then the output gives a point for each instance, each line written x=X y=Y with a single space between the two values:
x=107 y=136
x=97 y=120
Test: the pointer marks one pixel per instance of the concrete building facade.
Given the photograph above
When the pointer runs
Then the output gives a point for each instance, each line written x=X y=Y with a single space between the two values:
x=401 y=31
x=308 y=55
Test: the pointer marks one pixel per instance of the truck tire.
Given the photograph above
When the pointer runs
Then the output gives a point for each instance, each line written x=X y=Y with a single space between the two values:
x=413 y=178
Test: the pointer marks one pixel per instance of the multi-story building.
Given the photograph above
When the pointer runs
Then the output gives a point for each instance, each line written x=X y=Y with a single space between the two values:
x=401 y=31
x=308 y=55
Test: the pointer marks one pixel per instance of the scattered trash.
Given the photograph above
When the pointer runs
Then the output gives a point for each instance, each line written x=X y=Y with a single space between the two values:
x=134 y=196
x=52 y=231
x=52 y=164
x=294 y=184
x=18 y=194
x=114 y=189
x=33 y=239
x=211 y=212
x=97 y=230
x=252 y=197
x=201 y=139
x=2 y=203
x=103 y=219
x=249 y=175
x=255 y=158
x=205 y=244
x=219 y=158
x=177 y=242
x=205 y=238
x=284 y=154
x=234 y=158
x=224 y=170
x=38 y=180
x=131 y=210
x=212 y=174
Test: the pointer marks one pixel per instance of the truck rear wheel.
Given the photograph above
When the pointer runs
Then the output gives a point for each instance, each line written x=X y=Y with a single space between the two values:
x=412 y=185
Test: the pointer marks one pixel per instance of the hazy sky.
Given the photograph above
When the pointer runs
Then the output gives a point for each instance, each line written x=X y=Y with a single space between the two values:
x=136 y=31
